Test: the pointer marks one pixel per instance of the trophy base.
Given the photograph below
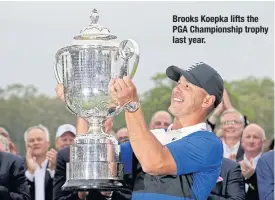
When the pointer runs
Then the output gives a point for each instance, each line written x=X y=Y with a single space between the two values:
x=95 y=184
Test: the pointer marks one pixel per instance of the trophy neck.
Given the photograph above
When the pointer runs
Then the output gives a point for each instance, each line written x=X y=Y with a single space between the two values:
x=95 y=124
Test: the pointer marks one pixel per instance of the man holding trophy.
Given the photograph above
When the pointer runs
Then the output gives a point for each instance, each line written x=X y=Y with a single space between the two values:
x=182 y=162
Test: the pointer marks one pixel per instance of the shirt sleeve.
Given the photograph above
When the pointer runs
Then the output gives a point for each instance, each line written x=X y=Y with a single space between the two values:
x=126 y=155
x=196 y=153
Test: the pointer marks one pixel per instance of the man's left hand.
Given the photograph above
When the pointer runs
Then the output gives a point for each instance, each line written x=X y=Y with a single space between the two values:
x=123 y=91
x=247 y=170
x=51 y=156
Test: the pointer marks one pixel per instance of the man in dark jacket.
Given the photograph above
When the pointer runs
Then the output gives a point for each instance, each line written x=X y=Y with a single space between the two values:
x=265 y=176
x=13 y=183
x=230 y=185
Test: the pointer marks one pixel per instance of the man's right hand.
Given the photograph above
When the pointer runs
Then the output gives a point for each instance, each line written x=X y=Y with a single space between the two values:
x=30 y=161
x=226 y=100
x=60 y=92
x=224 y=105
x=219 y=110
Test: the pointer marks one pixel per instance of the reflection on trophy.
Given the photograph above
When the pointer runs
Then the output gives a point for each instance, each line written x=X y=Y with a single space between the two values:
x=86 y=68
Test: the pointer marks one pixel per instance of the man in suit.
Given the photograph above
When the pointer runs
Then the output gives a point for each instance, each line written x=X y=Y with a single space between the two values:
x=40 y=162
x=13 y=183
x=265 y=176
x=230 y=185
x=232 y=124
x=253 y=140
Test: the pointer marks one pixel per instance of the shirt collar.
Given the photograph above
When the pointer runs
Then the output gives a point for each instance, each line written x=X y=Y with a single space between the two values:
x=196 y=127
x=168 y=135
x=236 y=146
x=187 y=130
x=255 y=160
x=44 y=164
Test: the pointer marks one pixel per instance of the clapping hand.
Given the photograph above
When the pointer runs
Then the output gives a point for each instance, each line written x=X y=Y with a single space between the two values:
x=247 y=169
x=51 y=157
x=31 y=161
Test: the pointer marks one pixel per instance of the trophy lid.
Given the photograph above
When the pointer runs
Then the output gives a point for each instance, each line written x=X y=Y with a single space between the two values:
x=94 y=31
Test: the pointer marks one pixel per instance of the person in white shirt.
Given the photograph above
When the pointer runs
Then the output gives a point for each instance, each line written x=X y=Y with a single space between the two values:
x=40 y=162
x=232 y=124
x=253 y=140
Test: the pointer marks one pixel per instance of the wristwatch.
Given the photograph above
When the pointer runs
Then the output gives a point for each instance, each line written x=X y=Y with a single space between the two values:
x=132 y=106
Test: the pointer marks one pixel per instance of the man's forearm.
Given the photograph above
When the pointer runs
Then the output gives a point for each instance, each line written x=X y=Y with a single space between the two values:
x=81 y=126
x=145 y=145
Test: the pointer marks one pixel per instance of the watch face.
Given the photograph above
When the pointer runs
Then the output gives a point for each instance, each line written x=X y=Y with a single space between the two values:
x=132 y=106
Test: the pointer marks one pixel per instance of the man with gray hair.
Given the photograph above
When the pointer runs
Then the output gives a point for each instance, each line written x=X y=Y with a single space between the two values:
x=253 y=140
x=232 y=124
x=40 y=162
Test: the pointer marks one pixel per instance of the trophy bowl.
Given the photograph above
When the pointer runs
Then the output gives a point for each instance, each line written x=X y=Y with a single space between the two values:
x=85 y=68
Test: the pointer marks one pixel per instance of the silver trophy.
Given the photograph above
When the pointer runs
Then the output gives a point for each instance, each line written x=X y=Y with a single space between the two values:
x=86 y=68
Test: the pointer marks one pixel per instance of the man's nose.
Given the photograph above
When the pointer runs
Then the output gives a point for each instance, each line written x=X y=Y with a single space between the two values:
x=35 y=142
x=251 y=139
x=226 y=126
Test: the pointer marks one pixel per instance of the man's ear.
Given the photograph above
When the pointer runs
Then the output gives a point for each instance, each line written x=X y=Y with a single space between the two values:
x=208 y=101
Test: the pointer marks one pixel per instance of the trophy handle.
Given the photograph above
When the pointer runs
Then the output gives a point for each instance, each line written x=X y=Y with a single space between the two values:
x=63 y=55
x=60 y=55
x=128 y=52
x=56 y=72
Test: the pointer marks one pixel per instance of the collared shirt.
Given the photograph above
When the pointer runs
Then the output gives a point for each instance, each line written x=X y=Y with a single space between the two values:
x=197 y=170
x=254 y=160
x=39 y=177
x=169 y=135
x=227 y=151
